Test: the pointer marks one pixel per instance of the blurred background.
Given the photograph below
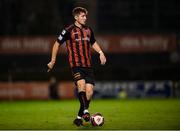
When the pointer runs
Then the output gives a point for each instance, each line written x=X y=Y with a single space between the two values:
x=140 y=39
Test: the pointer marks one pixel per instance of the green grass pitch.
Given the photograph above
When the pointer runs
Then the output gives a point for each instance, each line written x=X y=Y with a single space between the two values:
x=124 y=114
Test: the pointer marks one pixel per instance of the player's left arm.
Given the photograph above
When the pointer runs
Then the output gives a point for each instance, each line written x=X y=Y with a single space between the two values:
x=97 y=48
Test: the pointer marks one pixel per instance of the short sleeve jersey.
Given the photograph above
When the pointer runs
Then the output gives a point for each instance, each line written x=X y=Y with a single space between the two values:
x=78 y=43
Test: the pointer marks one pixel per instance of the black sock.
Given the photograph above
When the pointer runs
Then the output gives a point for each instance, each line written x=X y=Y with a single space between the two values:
x=88 y=101
x=83 y=102
x=80 y=113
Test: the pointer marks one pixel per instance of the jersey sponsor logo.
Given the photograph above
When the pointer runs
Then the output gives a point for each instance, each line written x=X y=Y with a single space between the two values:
x=86 y=38
x=77 y=39
x=75 y=33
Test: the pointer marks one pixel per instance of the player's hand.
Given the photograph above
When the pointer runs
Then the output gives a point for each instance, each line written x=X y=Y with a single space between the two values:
x=50 y=65
x=102 y=58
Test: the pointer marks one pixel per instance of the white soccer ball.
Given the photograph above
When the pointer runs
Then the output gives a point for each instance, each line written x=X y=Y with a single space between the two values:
x=97 y=119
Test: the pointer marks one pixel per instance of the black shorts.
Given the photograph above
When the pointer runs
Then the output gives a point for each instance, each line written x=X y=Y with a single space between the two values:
x=85 y=73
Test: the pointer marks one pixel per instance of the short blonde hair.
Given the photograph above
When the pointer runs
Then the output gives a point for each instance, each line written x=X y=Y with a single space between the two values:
x=78 y=10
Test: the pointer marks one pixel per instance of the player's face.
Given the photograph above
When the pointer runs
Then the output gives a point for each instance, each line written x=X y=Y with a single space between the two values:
x=81 y=18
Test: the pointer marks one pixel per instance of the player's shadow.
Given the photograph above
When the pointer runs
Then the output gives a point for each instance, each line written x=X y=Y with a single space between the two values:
x=90 y=127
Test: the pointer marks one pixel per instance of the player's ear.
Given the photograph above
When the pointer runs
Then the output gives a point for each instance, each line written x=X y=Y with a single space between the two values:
x=75 y=17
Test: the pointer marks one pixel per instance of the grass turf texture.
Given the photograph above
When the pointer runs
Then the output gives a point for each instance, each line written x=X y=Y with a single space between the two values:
x=119 y=114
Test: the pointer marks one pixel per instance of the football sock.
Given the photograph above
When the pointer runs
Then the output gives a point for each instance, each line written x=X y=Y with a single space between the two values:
x=88 y=101
x=80 y=113
x=83 y=102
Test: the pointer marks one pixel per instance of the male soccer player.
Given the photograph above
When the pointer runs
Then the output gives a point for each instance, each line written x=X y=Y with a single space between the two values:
x=79 y=38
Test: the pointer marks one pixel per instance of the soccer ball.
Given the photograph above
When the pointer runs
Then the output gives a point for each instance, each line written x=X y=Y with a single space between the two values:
x=97 y=119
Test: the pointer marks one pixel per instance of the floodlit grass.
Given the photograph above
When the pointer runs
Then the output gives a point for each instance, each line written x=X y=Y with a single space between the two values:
x=125 y=114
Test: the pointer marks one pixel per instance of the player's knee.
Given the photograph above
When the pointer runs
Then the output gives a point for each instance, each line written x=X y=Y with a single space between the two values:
x=81 y=85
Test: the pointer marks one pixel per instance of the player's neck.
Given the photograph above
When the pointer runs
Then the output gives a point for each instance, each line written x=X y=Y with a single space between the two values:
x=78 y=24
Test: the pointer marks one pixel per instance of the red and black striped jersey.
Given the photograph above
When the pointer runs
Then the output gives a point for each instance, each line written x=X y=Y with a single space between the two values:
x=78 y=43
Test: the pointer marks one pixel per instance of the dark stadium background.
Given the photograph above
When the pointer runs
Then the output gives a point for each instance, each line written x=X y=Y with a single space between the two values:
x=38 y=18
x=138 y=88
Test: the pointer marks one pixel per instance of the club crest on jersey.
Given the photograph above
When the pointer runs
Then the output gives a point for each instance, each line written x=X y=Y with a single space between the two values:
x=87 y=32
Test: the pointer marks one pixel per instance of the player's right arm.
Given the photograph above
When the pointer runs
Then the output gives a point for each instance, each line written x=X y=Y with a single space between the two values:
x=53 y=56
x=61 y=39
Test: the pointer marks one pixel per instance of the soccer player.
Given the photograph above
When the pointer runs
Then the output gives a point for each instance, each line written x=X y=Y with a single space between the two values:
x=79 y=39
